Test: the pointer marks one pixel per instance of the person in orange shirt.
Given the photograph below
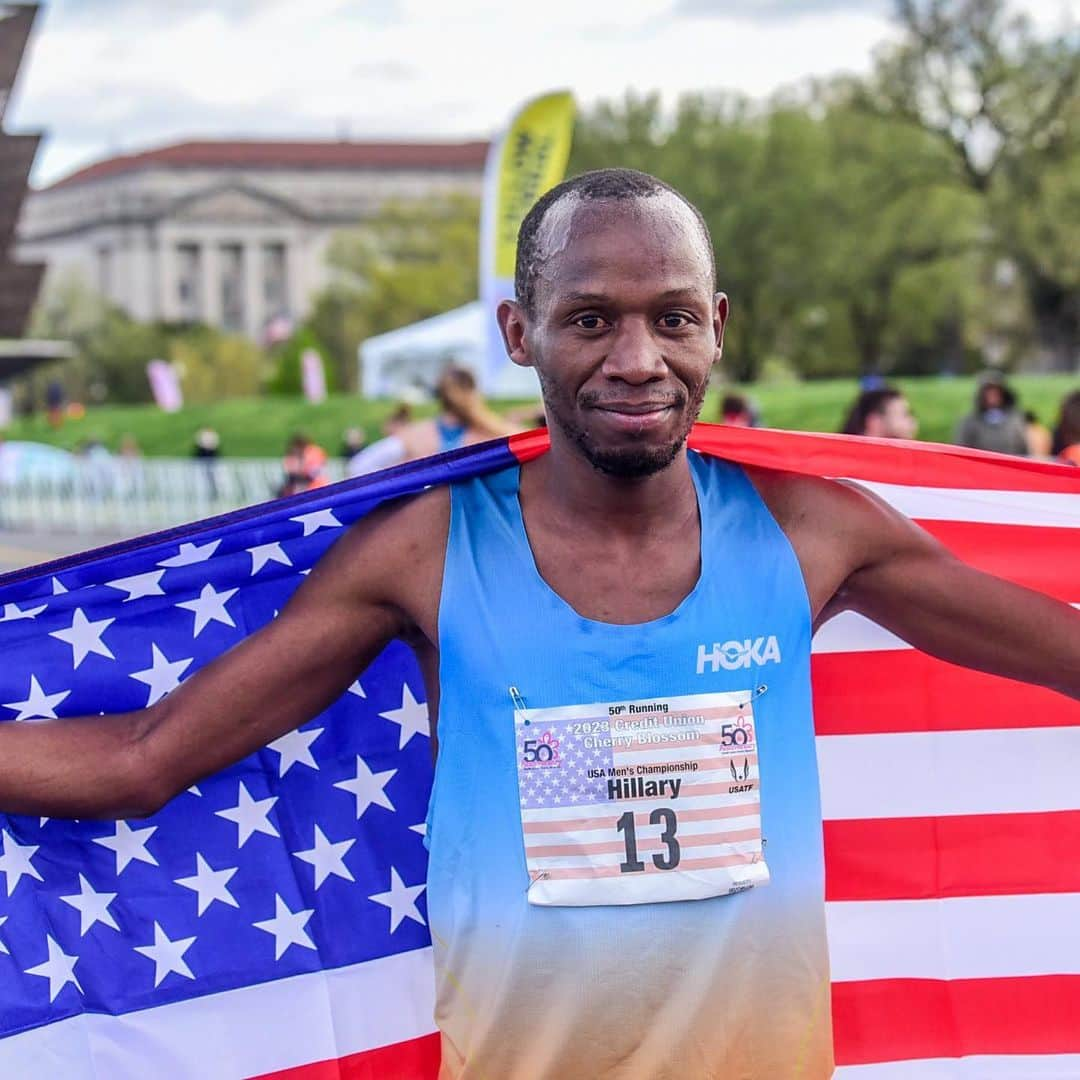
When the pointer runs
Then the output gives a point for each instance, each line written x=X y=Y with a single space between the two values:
x=304 y=464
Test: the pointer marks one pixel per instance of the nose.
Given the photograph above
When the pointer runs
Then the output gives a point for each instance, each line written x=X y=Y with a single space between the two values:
x=635 y=356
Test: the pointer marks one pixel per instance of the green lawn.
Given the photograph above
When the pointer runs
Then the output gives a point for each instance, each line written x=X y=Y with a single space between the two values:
x=259 y=427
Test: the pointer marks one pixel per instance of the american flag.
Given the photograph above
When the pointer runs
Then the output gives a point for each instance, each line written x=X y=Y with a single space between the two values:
x=272 y=920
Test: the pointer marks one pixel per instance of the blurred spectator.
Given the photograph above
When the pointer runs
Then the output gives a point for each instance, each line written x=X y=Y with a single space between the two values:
x=54 y=403
x=995 y=423
x=882 y=413
x=1066 y=445
x=352 y=442
x=737 y=411
x=464 y=419
x=304 y=464
x=207 y=443
x=207 y=449
x=1039 y=439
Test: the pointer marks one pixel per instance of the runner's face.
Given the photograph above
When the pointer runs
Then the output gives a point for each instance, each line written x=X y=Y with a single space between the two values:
x=626 y=329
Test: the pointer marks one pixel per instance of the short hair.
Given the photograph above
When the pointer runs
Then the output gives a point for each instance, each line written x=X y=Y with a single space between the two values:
x=618 y=184
x=868 y=403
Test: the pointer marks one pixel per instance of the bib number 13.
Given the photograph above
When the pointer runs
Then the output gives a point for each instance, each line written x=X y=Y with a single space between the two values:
x=662 y=815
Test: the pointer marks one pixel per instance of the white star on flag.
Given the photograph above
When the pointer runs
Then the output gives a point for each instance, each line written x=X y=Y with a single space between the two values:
x=189 y=554
x=210 y=607
x=210 y=884
x=357 y=689
x=59 y=969
x=163 y=674
x=15 y=862
x=139 y=585
x=262 y=554
x=317 y=519
x=13 y=613
x=38 y=705
x=58 y=587
x=93 y=907
x=287 y=927
x=168 y=956
x=401 y=900
x=84 y=637
x=327 y=858
x=129 y=845
x=294 y=749
x=249 y=815
x=412 y=717
x=367 y=787
x=3 y=948
x=420 y=830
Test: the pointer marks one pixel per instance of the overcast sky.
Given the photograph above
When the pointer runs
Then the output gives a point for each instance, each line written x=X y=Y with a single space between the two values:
x=109 y=76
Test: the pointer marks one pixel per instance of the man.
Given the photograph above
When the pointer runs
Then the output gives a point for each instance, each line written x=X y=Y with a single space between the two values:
x=589 y=922
x=882 y=413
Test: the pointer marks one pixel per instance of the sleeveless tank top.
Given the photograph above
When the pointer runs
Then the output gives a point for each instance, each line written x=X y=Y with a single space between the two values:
x=735 y=986
x=451 y=436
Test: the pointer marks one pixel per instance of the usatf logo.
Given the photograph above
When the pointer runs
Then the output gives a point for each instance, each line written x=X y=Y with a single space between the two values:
x=733 y=655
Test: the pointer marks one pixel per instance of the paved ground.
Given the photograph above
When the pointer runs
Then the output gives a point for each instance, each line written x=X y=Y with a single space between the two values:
x=18 y=549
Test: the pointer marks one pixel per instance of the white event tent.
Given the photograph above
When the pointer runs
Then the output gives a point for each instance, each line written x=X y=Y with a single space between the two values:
x=403 y=361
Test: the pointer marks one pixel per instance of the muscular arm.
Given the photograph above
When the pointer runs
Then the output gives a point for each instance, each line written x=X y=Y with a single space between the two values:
x=859 y=554
x=361 y=595
x=909 y=583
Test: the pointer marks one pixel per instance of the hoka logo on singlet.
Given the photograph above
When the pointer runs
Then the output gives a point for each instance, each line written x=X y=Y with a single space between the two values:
x=733 y=655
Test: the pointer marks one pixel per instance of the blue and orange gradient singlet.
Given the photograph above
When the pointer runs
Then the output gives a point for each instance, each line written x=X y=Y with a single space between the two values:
x=591 y=776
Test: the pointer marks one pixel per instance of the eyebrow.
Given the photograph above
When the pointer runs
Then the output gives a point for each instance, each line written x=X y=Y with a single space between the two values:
x=597 y=297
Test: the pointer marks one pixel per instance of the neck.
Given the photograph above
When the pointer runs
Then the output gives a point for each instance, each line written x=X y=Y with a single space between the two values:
x=575 y=489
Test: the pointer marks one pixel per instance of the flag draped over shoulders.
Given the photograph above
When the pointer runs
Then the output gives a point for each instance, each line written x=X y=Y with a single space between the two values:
x=272 y=919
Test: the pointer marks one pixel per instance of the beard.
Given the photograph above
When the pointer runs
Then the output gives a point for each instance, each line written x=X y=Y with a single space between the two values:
x=626 y=462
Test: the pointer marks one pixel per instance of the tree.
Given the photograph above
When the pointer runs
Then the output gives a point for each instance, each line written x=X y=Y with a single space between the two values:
x=1005 y=106
x=412 y=261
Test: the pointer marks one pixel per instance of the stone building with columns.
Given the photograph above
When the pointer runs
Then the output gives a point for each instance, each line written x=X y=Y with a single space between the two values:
x=233 y=234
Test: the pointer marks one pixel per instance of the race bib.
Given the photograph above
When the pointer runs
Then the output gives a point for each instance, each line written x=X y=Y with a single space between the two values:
x=638 y=802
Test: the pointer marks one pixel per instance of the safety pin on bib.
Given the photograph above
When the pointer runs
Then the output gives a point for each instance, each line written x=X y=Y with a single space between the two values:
x=519 y=703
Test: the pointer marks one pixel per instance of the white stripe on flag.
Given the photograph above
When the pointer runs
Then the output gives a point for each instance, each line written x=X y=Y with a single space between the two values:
x=1051 y=509
x=852 y=632
x=980 y=1067
x=256 y=1029
x=919 y=774
x=969 y=937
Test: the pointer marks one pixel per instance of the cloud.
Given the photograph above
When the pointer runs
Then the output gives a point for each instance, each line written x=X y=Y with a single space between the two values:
x=114 y=76
x=776 y=9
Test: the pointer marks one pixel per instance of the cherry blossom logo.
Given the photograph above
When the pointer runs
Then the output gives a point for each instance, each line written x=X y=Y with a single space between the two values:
x=542 y=753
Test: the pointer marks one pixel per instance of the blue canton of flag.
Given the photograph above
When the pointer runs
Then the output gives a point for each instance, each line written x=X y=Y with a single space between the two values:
x=306 y=856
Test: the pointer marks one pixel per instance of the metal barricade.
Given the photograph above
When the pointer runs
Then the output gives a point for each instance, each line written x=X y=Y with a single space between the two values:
x=138 y=494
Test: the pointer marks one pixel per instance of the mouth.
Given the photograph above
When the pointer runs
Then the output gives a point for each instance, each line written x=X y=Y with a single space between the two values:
x=636 y=417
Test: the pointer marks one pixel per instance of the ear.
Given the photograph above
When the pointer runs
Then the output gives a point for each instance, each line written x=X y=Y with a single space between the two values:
x=720 y=318
x=513 y=324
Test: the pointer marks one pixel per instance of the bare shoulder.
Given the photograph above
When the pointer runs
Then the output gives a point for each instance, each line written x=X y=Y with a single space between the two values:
x=836 y=527
x=392 y=558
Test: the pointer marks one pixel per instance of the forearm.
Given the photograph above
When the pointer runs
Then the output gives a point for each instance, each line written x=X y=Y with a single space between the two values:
x=970 y=618
x=77 y=767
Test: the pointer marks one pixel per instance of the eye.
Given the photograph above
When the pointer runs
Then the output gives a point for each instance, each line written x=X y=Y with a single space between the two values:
x=674 y=320
x=589 y=321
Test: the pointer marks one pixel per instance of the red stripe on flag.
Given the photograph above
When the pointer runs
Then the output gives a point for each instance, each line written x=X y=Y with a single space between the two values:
x=908 y=1019
x=899 y=690
x=966 y=855
x=1037 y=557
x=887 y=461
x=417 y=1059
